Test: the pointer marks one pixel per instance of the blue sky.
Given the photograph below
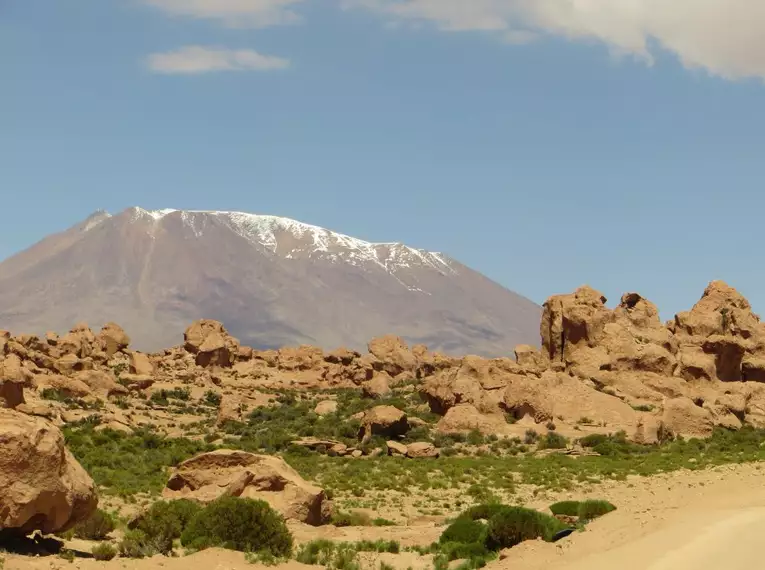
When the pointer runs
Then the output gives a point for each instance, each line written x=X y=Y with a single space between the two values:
x=547 y=144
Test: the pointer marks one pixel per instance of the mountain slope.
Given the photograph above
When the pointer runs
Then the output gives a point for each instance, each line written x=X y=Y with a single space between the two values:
x=272 y=281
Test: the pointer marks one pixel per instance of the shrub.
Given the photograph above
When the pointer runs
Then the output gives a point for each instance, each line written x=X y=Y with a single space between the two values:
x=566 y=508
x=164 y=522
x=485 y=512
x=465 y=531
x=97 y=527
x=239 y=524
x=135 y=545
x=552 y=440
x=530 y=437
x=589 y=510
x=104 y=552
x=514 y=525
x=212 y=398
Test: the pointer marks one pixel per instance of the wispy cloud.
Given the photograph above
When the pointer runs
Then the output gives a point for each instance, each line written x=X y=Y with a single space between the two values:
x=192 y=60
x=725 y=37
x=234 y=13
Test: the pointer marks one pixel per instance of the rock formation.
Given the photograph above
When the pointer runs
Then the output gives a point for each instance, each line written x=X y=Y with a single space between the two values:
x=208 y=476
x=43 y=487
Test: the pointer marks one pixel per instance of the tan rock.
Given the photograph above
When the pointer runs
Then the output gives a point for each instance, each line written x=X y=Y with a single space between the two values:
x=386 y=421
x=113 y=338
x=229 y=410
x=300 y=358
x=682 y=417
x=140 y=364
x=395 y=448
x=378 y=387
x=325 y=407
x=210 y=475
x=101 y=384
x=43 y=486
x=211 y=344
x=464 y=418
x=71 y=387
x=393 y=354
x=342 y=356
x=422 y=450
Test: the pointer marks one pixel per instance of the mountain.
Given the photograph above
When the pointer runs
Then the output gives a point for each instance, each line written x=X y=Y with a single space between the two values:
x=272 y=281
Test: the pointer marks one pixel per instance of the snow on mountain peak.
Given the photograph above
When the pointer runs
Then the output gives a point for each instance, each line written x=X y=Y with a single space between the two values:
x=308 y=240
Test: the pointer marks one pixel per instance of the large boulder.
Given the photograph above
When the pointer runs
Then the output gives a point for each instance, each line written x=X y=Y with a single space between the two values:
x=43 y=487
x=386 y=421
x=465 y=418
x=13 y=378
x=208 y=476
x=210 y=342
x=394 y=354
x=113 y=339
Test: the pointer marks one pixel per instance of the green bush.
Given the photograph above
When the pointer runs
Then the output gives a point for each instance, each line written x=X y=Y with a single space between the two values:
x=589 y=510
x=484 y=512
x=552 y=440
x=135 y=545
x=239 y=524
x=514 y=525
x=465 y=531
x=164 y=522
x=104 y=552
x=566 y=508
x=96 y=527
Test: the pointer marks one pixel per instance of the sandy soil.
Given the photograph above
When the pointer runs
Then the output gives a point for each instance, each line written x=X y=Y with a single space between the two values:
x=699 y=520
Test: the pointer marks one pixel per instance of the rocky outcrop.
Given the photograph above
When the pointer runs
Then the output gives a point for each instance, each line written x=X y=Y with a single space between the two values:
x=208 y=476
x=211 y=344
x=43 y=487
x=386 y=421
x=393 y=355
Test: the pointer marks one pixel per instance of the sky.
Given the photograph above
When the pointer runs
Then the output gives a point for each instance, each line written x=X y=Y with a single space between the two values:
x=545 y=143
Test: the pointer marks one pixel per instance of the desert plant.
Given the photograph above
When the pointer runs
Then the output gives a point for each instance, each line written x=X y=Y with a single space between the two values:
x=566 y=508
x=465 y=530
x=104 y=552
x=589 y=510
x=96 y=527
x=552 y=440
x=135 y=545
x=514 y=525
x=238 y=524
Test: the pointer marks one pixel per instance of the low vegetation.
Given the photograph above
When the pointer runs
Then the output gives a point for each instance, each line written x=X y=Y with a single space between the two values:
x=104 y=552
x=97 y=527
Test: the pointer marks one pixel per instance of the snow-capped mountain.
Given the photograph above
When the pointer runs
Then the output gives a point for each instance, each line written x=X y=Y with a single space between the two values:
x=273 y=281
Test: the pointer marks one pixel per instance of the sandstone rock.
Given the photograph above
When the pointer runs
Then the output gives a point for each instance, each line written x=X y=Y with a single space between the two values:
x=422 y=450
x=113 y=338
x=43 y=486
x=338 y=449
x=71 y=387
x=393 y=354
x=530 y=358
x=140 y=364
x=386 y=421
x=137 y=382
x=325 y=407
x=211 y=344
x=357 y=453
x=229 y=410
x=395 y=448
x=464 y=418
x=753 y=369
x=682 y=417
x=300 y=358
x=101 y=384
x=342 y=356
x=13 y=379
x=70 y=363
x=210 y=475
x=378 y=387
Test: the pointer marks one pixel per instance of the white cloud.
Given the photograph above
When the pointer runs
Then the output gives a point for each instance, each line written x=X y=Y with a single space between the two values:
x=192 y=60
x=725 y=37
x=234 y=13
